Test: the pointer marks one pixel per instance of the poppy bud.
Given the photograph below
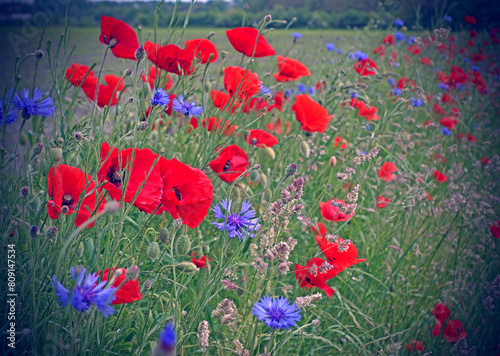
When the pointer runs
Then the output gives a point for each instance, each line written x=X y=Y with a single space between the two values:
x=128 y=72
x=147 y=285
x=33 y=232
x=268 y=194
x=316 y=322
x=263 y=179
x=254 y=176
x=187 y=267
x=333 y=161
x=304 y=149
x=177 y=223
x=79 y=250
x=131 y=100
x=37 y=149
x=256 y=167
x=51 y=232
x=56 y=154
x=183 y=245
x=112 y=207
x=143 y=125
x=223 y=54
x=132 y=273
x=25 y=191
x=78 y=135
x=60 y=141
x=268 y=18
x=269 y=152
x=291 y=170
x=140 y=53
x=39 y=54
x=65 y=209
x=206 y=249
x=153 y=251
x=164 y=235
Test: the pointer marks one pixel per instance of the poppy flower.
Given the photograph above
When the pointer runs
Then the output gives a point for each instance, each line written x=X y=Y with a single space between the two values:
x=278 y=102
x=65 y=187
x=365 y=67
x=385 y=172
x=261 y=138
x=290 y=69
x=453 y=331
x=219 y=125
x=129 y=291
x=243 y=41
x=382 y=202
x=170 y=58
x=389 y=39
x=448 y=122
x=415 y=346
x=120 y=36
x=342 y=141
x=331 y=210
x=107 y=94
x=315 y=274
x=202 y=262
x=440 y=177
x=131 y=166
x=414 y=49
x=426 y=61
x=485 y=160
x=470 y=19
x=255 y=104
x=187 y=191
x=230 y=164
x=241 y=83
x=78 y=73
x=224 y=102
x=312 y=116
x=380 y=50
x=495 y=229
x=202 y=48
x=341 y=254
x=164 y=80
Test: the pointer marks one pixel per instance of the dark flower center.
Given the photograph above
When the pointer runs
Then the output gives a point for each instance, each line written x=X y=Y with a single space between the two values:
x=254 y=141
x=276 y=314
x=67 y=199
x=227 y=166
x=115 y=175
x=177 y=193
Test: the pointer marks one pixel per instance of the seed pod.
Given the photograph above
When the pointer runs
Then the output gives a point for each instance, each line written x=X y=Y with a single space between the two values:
x=187 y=267
x=269 y=152
x=147 y=285
x=263 y=179
x=304 y=149
x=132 y=273
x=206 y=249
x=79 y=250
x=56 y=154
x=164 y=235
x=153 y=251
x=254 y=176
x=183 y=245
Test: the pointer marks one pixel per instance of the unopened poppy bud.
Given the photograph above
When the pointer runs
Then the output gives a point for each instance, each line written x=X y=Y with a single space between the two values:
x=65 y=209
x=187 y=267
x=39 y=54
x=211 y=34
x=183 y=245
x=206 y=249
x=269 y=194
x=79 y=250
x=131 y=100
x=316 y=322
x=25 y=191
x=256 y=167
x=140 y=54
x=177 y=223
x=132 y=273
x=263 y=179
x=269 y=152
x=128 y=72
x=164 y=235
x=37 y=149
x=34 y=232
x=304 y=149
x=153 y=251
x=112 y=207
x=147 y=285
x=51 y=232
x=60 y=141
x=333 y=161
x=143 y=125
x=268 y=18
x=223 y=54
x=291 y=170
x=254 y=176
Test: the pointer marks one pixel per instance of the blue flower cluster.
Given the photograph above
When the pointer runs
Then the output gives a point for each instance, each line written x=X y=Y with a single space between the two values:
x=276 y=313
x=237 y=225
x=185 y=108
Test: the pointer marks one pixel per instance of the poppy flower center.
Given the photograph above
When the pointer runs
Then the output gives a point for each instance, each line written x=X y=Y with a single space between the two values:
x=115 y=175
x=227 y=166
x=254 y=141
x=67 y=199
x=177 y=193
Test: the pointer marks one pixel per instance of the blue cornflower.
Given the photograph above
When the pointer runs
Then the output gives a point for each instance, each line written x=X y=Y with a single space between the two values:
x=391 y=81
x=410 y=40
x=166 y=344
x=399 y=22
x=443 y=86
x=7 y=116
x=475 y=68
x=302 y=88
x=353 y=93
x=358 y=55
x=296 y=35
x=396 y=91
x=311 y=90
x=187 y=109
x=447 y=18
x=288 y=93
x=237 y=225
x=277 y=313
x=395 y=65
x=399 y=36
x=86 y=292
x=339 y=50
x=264 y=90
x=446 y=131
x=368 y=127
x=33 y=106
x=330 y=46
x=415 y=102
x=160 y=97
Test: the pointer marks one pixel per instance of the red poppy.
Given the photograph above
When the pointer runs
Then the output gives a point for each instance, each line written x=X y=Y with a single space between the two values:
x=290 y=69
x=230 y=164
x=224 y=101
x=440 y=177
x=78 y=73
x=389 y=39
x=415 y=346
x=203 y=49
x=255 y=104
x=107 y=94
x=341 y=254
x=331 y=210
x=261 y=138
x=426 y=61
x=131 y=166
x=414 y=49
x=65 y=187
x=275 y=127
x=448 y=122
x=202 y=262
x=403 y=81
x=187 y=191
x=385 y=172
x=170 y=58
x=365 y=67
x=453 y=331
x=219 y=125
x=312 y=116
x=369 y=112
x=241 y=83
x=278 y=102
x=495 y=229
x=470 y=19
x=243 y=41
x=438 y=109
x=470 y=138
x=164 y=80
x=382 y=202
x=380 y=50
x=342 y=141
x=485 y=160
x=313 y=275
x=441 y=312
x=129 y=291
x=120 y=36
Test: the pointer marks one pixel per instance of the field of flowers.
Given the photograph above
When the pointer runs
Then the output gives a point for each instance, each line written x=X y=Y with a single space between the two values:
x=255 y=192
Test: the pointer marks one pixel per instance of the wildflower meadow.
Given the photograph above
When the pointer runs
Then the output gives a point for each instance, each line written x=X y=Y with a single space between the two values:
x=251 y=190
